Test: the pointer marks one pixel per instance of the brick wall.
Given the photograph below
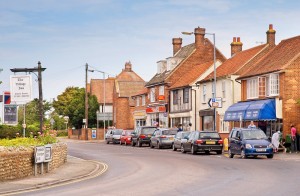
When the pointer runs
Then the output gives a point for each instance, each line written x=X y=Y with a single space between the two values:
x=18 y=162
x=123 y=114
x=290 y=95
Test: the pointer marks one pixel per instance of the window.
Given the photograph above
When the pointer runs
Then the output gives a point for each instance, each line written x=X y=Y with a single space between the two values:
x=224 y=126
x=262 y=86
x=204 y=93
x=252 y=88
x=175 y=97
x=186 y=95
x=137 y=101
x=274 y=84
x=152 y=95
x=143 y=100
x=161 y=90
x=223 y=89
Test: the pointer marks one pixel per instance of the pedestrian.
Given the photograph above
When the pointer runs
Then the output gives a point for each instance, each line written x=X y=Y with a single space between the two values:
x=179 y=127
x=275 y=140
x=189 y=128
x=251 y=125
x=294 y=139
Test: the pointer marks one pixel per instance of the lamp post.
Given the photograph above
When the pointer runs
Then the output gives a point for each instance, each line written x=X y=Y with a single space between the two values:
x=104 y=96
x=215 y=74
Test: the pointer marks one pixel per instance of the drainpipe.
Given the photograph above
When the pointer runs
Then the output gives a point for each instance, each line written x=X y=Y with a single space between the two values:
x=195 y=112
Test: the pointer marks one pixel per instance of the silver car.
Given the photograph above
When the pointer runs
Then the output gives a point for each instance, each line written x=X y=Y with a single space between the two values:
x=162 y=138
x=113 y=135
x=180 y=138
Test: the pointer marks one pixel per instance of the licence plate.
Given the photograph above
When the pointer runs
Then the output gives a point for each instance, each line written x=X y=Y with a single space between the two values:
x=210 y=142
x=171 y=138
x=261 y=150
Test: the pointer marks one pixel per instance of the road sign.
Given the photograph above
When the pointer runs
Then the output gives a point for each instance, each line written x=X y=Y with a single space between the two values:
x=215 y=102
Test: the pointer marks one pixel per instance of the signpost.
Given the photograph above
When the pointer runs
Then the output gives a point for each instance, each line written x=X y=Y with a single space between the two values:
x=215 y=102
x=42 y=154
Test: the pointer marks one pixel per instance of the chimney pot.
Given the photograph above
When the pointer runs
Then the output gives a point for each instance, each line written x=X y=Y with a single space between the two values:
x=236 y=45
x=177 y=42
x=234 y=39
x=199 y=37
x=238 y=39
x=271 y=35
x=270 y=26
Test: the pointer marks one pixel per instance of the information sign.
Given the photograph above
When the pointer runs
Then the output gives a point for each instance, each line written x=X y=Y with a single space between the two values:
x=39 y=154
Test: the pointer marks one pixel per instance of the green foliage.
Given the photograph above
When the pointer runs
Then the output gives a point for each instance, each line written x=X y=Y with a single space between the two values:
x=32 y=112
x=71 y=103
x=62 y=133
x=7 y=131
x=30 y=141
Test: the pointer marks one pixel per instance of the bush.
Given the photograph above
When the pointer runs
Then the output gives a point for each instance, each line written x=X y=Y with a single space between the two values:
x=62 y=133
x=7 y=131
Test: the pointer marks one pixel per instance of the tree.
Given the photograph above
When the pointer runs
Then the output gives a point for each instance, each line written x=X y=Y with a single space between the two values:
x=71 y=103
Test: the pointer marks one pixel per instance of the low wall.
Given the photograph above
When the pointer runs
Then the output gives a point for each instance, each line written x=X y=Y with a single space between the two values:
x=18 y=162
x=80 y=134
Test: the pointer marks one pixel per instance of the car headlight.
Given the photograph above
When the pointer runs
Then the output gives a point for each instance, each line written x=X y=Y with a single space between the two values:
x=270 y=146
x=248 y=146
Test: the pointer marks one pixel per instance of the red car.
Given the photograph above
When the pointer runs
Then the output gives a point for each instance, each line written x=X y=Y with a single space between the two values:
x=126 y=137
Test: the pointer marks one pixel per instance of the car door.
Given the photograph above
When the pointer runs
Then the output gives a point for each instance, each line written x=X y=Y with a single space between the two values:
x=135 y=135
x=177 y=139
x=232 y=141
x=187 y=145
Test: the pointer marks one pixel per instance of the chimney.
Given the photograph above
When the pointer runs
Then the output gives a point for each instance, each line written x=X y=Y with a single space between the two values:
x=271 y=35
x=236 y=45
x=127 y=66
x=177 y=42
x=199 y=37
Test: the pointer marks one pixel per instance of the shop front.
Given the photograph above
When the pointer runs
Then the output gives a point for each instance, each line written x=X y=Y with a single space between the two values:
x=157 y=116
x=139 y=118
x=261 y=112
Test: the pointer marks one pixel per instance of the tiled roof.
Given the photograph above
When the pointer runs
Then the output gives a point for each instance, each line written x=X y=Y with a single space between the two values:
x=141 y=92
x=277 y=59
x=97 y=86
x=184 y=52
x=232 y=65
x=192 y=75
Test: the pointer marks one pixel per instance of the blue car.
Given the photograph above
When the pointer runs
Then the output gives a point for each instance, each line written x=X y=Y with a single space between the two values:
x=249 y=142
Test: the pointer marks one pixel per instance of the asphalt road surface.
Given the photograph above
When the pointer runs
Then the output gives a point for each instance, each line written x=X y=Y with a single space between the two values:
x=145 y=171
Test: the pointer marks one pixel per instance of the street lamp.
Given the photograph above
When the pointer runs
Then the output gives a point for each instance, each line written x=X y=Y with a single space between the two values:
x=104 y=96
x=215 y=73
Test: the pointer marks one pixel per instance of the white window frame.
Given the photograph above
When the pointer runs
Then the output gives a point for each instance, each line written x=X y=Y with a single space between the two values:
x=152 y=95
x=161 y=90
x=252 y=88
x=262 y=84
x=273 y=85
x=223 y=89
x=204 y=91
x=137 y=101
x=143 y=100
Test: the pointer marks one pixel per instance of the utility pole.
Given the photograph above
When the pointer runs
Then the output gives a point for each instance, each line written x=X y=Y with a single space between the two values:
x=86 y=102
x=41 y=107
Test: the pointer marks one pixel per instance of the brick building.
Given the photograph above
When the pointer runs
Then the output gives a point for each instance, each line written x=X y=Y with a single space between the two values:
x=270 y=87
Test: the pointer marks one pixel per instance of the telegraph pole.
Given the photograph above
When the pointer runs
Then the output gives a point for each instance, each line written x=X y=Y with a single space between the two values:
x=86 y=102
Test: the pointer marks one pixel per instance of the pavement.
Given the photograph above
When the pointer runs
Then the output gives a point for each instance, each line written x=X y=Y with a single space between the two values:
x=77 y=169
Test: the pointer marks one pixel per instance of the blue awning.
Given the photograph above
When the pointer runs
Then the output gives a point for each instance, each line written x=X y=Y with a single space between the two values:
x=252 y=110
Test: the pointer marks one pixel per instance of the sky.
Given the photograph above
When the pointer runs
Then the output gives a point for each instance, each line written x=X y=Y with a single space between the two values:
x=64 y=35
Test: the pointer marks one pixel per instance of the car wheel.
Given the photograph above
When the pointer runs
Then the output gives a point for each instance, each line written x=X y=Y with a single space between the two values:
x=182 y=149
x=243 y=155
x=107 y=141
x=219 y=151
x=158 y=145
x=193 y=150
x=270 y=156
x=151 y=145
x=206 y=152
x=132 y=143
x=139 y=143
x=173 y=147
x=230 y=153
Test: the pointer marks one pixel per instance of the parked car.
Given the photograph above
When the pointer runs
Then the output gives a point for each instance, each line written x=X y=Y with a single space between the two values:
x=249 y=142
x=180 y=138
x=203 y=141
x=126 y=137
x=142 y=135
x=113 y=135
x=162 y=138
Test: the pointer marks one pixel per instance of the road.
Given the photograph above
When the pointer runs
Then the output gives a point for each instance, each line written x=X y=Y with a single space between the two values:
x=145 y=171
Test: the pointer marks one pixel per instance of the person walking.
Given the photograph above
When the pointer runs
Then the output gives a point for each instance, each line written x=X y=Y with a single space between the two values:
x=294 y=139
x=179 y=127
x=189 y=128
x=275 y=140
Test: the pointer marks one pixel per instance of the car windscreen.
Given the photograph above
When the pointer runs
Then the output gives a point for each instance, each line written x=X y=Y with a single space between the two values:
x=128 y=132
x=169 y=132
x=117 y=132
x=148 y=130
x=185 y=134
x=254 y=135
x=209 y=135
